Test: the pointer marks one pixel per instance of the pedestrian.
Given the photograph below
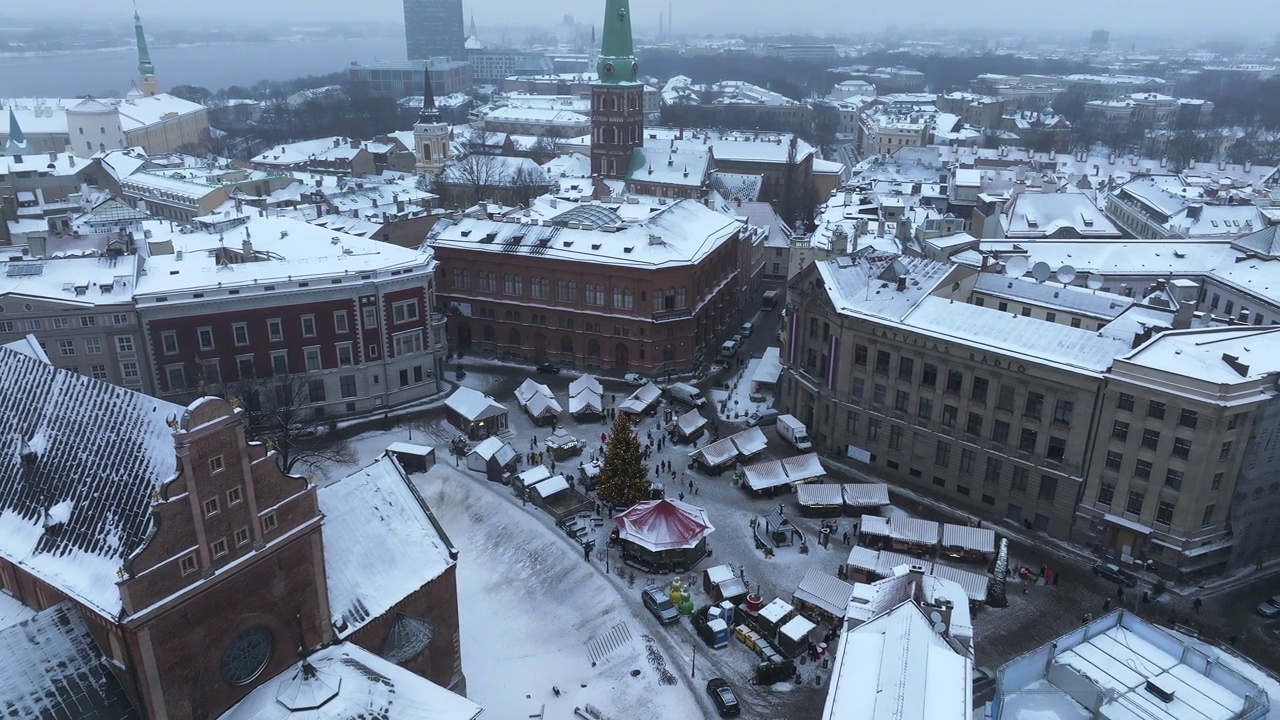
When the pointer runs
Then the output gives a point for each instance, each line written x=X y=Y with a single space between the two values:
x=1197 y=605
x=603 y=438
x=690 y=484
x=695 y=492
x=1120 y=593
x=533 y=442
x=673 y=476
x=657 y=469
x=681 y=496
x=845 y=537
x=1106 y=605
x=1055 y=579
x=553 y=464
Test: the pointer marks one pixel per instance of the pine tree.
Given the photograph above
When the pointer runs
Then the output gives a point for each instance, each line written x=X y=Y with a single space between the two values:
x=995 y=591
x=624 y=479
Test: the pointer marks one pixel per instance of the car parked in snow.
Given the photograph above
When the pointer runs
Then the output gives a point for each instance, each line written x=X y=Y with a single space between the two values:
x=659 y=604
x=634 y=379
x=1114 y=573
x=1269 y=608
x=548 y=368
x=724 y=698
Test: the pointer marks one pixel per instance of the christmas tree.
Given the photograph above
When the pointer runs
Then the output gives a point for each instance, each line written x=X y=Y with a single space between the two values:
x=624 y=479
x=996 y=591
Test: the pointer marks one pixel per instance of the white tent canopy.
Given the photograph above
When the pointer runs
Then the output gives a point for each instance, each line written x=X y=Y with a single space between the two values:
x=981 y=540
x=537 y=399
x=773 y=473
x=586 y=396
x=827 y=495
x=866 y=494
x=551 y=486
x=769 y=369
x=690 y=422
x=642 y=399
x=473 y=404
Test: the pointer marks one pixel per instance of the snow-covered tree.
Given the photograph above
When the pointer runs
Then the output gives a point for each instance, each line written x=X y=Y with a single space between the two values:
x=624 y=479
x=996 y=590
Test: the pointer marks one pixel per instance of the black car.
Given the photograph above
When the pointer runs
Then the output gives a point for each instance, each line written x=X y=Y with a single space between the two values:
x=548 y=368
x=722 y=695
x=1113 y=572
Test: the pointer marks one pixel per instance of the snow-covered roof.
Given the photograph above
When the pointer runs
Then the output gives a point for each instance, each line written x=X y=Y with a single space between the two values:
x=776 y=610
x=797 y=628
x=560 y=438
x=285 y=251
x=732 y=145
x=551 y=486
x=380 y=545
x=584 y=383
x=1008 y=334
x=752 y=441
x=346 y=681
x=410 y=448
x=51 y=667
x=969 y=538
x=815 y=494
x=1072 y=298
x=474 y=405
x=772 y=473
x=769 y=369
x=1040 y=214
x=691 y=421
x=663 y=525
x=493 y=448
x=642 y=399
x=717 y=453
x=681 y=233
x=74 y=281
x=896 y=667
x=587 y=400
x=1217 y=356
x=537 y=399
x=101 y=448
x=914 y=530
x=866 y=494
x=867 y=283
x=863 y=558
x=532 y=476
x=670 y=163
x=874 y=525
x=13 y=612
x=826 y=591
x=974 y=584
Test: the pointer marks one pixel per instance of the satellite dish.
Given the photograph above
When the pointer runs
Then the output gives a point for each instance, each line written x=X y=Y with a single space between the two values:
x=939 y=627
x=1094 y=282
x=935 y=616
x=1016 y=266
x=1066 y=274
x=1041 y=271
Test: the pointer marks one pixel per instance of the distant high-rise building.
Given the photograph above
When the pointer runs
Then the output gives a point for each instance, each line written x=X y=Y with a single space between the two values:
x=1099 y=39
x=434 y=28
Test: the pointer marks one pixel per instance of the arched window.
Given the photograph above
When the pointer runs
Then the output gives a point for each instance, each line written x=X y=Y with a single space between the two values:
x=593 y=348
x=513 y=337
x=669 y=352
x=426 y=151
x=566 y=344
x=486 y=333
x=680 y=297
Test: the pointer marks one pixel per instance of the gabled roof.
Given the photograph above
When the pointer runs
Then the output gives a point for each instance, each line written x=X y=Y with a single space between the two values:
x=51 y=668
x=473 y=404
x=380 y=544
x=346 y=682
x=79 y=462
x=1265 y=242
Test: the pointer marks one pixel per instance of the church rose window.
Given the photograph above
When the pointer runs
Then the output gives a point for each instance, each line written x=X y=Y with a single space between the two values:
x=247 y=656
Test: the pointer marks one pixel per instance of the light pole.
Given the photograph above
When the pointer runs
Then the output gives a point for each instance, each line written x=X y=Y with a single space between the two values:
x=693 y=648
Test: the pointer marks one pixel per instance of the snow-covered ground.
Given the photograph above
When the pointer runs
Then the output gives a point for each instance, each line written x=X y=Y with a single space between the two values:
x=530 y=606
x=735 y=404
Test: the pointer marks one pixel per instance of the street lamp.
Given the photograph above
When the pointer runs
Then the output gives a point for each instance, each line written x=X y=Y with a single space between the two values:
x=693 y=649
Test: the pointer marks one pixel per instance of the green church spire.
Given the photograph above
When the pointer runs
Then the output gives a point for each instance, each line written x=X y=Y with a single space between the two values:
x=617 y=63
x=17 y=140
x=144 y=58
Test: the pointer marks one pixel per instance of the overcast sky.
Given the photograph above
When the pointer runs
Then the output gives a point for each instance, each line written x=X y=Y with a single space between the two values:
x=1236 y=17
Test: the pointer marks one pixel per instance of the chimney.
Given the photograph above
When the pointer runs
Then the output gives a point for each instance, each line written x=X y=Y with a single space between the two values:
x=1186 y=312
x=1248 y=165
x=53 y=156
x=337 y=142
x=944 y=609
x=915 y=574
x=246 y=247
x=1243 y=317
x=71 y=160
x=902 y=284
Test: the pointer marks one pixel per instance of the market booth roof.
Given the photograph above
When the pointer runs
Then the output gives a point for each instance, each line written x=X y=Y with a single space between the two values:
x=658 y=525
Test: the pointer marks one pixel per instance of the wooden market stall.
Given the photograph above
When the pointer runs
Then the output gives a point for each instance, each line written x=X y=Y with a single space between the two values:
x=968 y=543
x=538 y=402
x=475 y=414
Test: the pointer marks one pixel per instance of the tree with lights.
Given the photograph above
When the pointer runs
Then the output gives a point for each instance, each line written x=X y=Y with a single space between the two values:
x=624 y=478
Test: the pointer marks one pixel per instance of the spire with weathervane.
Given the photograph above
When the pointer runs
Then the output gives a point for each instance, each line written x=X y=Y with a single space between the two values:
x=146 y=70
x=430 y=133
x=617 y=98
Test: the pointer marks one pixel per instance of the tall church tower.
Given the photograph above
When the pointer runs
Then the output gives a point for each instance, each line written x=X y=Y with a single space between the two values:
x=430 y=133
x=617 y=100
x=146 y=71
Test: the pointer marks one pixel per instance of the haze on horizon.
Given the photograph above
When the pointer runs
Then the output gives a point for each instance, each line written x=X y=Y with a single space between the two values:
x=1237 y=18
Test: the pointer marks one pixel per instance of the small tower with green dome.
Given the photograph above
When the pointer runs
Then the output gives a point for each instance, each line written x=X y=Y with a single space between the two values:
x=617 y=98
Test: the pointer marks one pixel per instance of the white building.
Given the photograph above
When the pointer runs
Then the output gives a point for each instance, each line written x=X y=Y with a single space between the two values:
x=158 y=123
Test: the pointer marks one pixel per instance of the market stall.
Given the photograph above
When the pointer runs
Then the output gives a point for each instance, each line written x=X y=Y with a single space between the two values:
x=643 y=400
x=493 y=457
x=562 y=446
x=586 y=398
x=475 y=414
x=689 y=427
x=770 y=476
x=663 y=535
x=964 y=542
x=413 y=458
x=822 y=596
x=820 y=500
x=861 y=497
x=538 y=402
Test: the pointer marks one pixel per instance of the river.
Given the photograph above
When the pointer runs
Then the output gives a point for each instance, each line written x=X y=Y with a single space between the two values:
x=108 y=73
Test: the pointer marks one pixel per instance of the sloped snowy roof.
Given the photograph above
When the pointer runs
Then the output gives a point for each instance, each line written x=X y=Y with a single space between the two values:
x=642 y=399
x=537 y=398
x=585 y=383
x=749 y=441
x=896 y=667
x=772 y=473
x=691 y=421
x=974 y=584
x=874 y=525
x=969 y=538
x=532 y=476
x=50 y=667
x=380 y=546
x=473 y=404
x=585 y=401
x=826 y=591
x=1095 y=303
x=551 y=486
x=863 y=558
x=866 y=494
x=867 y=283
x=350 y=682
x=13 y=612
x=493 y=448
x=769 y=369
x=1221 y=356
x=663 y=525
x=101 y=447
x=815 y=494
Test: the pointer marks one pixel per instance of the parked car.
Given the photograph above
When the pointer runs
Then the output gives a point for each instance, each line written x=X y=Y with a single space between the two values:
x=746 y=329
x=768 y=416
x=730 y=347
x=1113 y=572
x=634 y=379
x=548 y=368
x=1269 y=608
x=659 y=604
x=724 y=698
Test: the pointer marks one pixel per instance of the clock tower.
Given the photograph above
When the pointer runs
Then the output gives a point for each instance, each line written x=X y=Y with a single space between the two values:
x=430 y=133
x=617 y=99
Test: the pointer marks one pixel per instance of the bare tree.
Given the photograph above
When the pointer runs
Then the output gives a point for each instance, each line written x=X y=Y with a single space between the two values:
x=276 y=412
x=525 y=184
x=475 y=178
x=543 y=149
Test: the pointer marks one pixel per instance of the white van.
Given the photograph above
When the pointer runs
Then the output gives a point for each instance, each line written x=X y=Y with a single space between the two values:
x=686 y=394
x=730 y=348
